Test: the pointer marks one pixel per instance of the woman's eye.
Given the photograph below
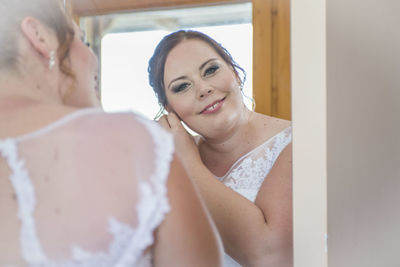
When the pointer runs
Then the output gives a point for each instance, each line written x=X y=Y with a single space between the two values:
x=180 y=87
x=211 y=70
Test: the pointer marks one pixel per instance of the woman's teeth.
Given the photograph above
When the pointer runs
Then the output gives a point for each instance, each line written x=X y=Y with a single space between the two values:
x=213 y=106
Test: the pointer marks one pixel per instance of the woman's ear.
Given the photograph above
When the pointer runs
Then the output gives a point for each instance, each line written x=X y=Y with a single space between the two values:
x=236 y=74
x=239 y=81
x=37 y=35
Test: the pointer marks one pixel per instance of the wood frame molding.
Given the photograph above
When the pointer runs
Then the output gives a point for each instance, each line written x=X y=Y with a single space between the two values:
x=262 y=54
x=101 y=7
x=271 y=57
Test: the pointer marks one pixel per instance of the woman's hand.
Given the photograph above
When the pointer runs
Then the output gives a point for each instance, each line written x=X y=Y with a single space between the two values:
x=185 y=145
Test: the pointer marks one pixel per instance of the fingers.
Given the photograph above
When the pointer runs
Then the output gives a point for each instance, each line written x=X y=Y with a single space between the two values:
x=173 y=120
x=163 y=121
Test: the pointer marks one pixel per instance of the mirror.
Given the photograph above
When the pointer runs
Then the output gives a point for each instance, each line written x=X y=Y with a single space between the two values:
x=125 y=42
x=234 y=22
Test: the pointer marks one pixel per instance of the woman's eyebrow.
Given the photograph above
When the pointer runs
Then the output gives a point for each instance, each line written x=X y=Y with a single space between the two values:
x=179 y=78
x=205 y=63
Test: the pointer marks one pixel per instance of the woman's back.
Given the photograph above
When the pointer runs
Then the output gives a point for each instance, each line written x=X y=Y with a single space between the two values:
x=90 y=190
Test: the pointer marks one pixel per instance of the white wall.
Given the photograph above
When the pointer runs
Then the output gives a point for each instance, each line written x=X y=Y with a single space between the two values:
x=363 y=132
x=346 y=132
x=308 y=48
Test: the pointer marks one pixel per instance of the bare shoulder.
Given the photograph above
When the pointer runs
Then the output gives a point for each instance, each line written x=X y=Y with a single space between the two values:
x=110 y=144
x=277 y=184
x=272 y=123
x=268 y=126
x=116 y=128
x=275 y=194
x=86 y=120
x=117 y=123
x=187 y=232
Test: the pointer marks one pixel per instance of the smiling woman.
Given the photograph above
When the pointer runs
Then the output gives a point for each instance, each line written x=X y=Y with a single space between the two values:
x=194 y=71
x=241 y=160
x=125 y=43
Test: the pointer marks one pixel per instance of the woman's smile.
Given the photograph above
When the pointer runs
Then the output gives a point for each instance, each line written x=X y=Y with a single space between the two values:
x=213 y=107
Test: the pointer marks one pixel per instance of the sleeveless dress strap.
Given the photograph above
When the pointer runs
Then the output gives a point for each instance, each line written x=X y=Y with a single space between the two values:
x=31 y=249
x=281 y=140
x=154 y=205
x=128 y=245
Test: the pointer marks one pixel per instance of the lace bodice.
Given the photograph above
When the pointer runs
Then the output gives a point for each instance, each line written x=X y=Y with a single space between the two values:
x=112 y=202
x=248 y=173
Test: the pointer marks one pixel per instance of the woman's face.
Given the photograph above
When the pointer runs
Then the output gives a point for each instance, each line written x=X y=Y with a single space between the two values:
x=84 y=65
x=202 y=89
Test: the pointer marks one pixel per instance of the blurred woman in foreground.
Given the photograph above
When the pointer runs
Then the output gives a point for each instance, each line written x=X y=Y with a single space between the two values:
x=75 y=188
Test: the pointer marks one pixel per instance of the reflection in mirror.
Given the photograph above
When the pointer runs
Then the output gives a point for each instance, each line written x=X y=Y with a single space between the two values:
x=125 y=42
x=248 y=152
x=245 y=178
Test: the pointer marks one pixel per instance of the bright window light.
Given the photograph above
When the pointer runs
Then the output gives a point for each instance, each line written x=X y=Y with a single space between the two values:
x=125 y=56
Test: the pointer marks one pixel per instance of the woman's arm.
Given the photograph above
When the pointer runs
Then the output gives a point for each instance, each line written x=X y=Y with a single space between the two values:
x=254 y=234
x=187 y=236
x=275 y=201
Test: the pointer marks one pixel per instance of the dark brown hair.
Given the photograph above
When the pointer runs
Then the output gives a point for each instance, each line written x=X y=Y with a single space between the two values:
x=157 y=61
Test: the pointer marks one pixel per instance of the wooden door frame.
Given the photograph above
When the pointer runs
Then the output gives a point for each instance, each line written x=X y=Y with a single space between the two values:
x=271 y=57
x=101 y=7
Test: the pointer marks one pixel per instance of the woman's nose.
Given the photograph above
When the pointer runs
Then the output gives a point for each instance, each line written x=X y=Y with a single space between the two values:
x=205 y=91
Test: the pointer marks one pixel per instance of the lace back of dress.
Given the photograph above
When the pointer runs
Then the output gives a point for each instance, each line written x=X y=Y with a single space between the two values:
x=99 y=207
x=25 y=195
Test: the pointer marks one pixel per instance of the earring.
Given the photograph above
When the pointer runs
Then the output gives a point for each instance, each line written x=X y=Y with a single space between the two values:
x=52 y=60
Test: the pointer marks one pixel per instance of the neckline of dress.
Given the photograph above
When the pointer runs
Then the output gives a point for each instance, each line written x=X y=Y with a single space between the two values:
x=56 y=123
x=250 y=152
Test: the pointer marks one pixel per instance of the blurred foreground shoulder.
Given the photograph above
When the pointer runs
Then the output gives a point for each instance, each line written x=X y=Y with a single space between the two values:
x=188 y=232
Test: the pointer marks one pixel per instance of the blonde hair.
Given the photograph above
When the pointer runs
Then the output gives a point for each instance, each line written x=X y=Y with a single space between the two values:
x=50 y=13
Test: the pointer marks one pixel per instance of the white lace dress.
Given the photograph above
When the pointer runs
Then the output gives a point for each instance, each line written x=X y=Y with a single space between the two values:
x=85 y=156
x=248 y=173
